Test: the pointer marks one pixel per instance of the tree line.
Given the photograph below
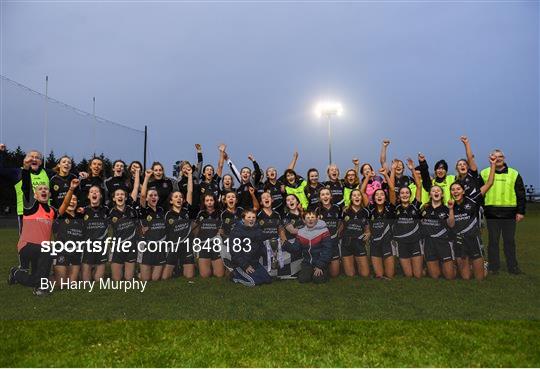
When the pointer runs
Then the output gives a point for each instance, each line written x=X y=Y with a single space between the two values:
x=14 y=159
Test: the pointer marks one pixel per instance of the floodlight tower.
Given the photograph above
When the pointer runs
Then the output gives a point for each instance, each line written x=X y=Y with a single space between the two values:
x=329 y=110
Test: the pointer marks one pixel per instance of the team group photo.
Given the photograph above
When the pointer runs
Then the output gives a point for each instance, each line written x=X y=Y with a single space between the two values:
x=252 y=226
x=269 y=183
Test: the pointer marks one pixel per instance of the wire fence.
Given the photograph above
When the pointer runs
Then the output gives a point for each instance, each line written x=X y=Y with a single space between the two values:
x=32 y=120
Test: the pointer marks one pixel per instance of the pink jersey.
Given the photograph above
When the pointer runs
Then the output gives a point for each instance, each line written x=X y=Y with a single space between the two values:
x=373 y=185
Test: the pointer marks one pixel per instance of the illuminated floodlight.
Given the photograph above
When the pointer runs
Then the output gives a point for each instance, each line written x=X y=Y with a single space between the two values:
x=328 y=108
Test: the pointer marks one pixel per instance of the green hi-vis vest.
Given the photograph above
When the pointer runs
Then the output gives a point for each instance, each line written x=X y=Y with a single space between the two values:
x=425 y=194
x=445 y=185
x=347 y=195
x=502 y=193
x=299 y=192
x=37 y=179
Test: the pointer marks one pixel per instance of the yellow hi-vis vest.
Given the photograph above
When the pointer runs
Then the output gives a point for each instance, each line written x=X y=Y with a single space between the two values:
x=445 y=185
x=299 y=192
x=502 y=193
x=425 y=194
x=347 y=194
x=37 y=179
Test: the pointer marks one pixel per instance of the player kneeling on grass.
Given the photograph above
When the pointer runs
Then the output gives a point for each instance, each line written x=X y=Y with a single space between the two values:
x=95 y=229
x=152 y=216
x=437 y=219
x=38 y=218
x=247 y=247
x=315 y=244
x=68 y=227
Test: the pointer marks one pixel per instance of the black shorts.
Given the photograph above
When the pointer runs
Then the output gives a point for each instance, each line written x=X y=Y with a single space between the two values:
x=335 y=248
x=29 y=255
x=408 y=250
x=381 y=248
x=154 y=258
x=180 y=255
x=176 y=258
x=458 y=251
x=209 y=254
x=94 y=258
x=68 y=259
x=207 y=249
x=121 y=257
x=468 y=247
x=436 y=249
x=353 y=246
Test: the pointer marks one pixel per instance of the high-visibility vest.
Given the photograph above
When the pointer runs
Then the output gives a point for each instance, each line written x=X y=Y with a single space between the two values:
x=425 y=194
x=37 y=179
x=347 y=194
x=299 y=192
x=445 y=185
x=502 y=193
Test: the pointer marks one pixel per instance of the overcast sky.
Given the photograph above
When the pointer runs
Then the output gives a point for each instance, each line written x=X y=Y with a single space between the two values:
x=249 y=75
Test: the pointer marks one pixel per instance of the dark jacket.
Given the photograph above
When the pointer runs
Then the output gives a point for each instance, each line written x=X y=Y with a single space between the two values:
x=246 y=256
x=315 y=244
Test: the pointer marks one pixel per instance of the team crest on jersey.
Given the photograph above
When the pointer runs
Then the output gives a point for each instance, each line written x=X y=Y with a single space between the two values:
x=56 y=187
x=424 y=213
x=467 y=206
x=149 y=218
x=347 y=218
x=114 y=219
x=203 y=190
x=227 y=220
x=165 y=185
x=86 y=217
x=261 y=222
x=171 y=221
x=67 y=221
x=441 y=215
